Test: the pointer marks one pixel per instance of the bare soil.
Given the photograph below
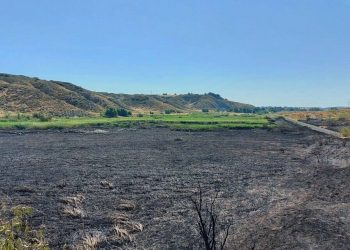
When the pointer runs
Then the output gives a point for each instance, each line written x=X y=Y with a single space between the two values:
x=285 y=188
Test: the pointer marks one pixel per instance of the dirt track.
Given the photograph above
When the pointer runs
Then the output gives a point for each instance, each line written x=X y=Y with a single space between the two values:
x=285 y=189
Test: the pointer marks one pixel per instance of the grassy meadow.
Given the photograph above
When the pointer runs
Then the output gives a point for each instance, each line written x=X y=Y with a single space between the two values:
x=195 y=121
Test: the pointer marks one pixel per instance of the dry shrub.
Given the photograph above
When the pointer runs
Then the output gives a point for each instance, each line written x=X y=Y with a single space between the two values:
x=127 y=206
x=124 y=227
x=78 y=199
x=73 y=211
x=91 y=241
x=72 y=206
x=122 y=234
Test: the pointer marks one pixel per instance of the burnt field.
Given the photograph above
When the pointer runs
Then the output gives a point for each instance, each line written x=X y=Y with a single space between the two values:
x=280 y=189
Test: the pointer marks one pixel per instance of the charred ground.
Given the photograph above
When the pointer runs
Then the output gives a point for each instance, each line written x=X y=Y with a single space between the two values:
x=284 y=188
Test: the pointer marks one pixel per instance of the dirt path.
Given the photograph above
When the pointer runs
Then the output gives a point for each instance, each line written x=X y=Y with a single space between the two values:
x=315 y=128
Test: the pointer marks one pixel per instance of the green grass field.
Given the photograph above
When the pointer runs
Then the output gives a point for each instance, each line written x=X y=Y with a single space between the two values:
x=195 y=121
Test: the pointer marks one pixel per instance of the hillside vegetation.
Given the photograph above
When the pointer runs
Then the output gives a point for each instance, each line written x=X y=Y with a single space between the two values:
x=28 y=95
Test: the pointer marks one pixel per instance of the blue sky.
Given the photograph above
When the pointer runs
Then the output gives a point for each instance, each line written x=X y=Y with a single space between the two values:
x=270 y=52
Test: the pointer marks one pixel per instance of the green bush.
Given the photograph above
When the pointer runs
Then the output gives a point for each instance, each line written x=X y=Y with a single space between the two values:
x=139 y=115
x=123 y=112
x=169 y=111
x=20 y=126
x=16 y=233
x=205 y=110
x=111 y=112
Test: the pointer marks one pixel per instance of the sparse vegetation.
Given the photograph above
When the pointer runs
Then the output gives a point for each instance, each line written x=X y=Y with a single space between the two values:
x=92 y=241
x=127 y=206
x=336 y=114
x=72 y=206
x=41 y=117
x=15 y=231
x=121 y=234
x=345 y=132
x=124 y=228
x=28 y=95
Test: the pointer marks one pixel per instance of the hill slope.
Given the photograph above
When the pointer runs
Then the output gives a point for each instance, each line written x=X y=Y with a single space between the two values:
x=27 y=94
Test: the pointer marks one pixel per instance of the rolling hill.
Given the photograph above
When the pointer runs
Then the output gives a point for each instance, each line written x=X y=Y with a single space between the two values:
x=31 y=94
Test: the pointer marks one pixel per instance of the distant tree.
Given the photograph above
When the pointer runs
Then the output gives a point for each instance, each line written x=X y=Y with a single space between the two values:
x=111 y=112
x=169 y=111
x=214 y=95
x=205 y=110
x=123 y=112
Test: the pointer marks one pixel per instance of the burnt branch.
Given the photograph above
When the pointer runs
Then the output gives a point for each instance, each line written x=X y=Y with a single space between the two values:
x=208 y=222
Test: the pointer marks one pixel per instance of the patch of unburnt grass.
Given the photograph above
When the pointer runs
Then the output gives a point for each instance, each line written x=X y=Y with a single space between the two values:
x=16 y=231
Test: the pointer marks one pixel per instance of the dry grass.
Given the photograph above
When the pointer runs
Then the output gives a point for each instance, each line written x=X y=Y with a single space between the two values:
x=127 y=206
x=106 y=184
x=329 y=114
x=122 y=234
x=124 y=227
x=345 y=132
x=91 y=241
x=72 y=206
x=73 y=211
x=124 y=221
